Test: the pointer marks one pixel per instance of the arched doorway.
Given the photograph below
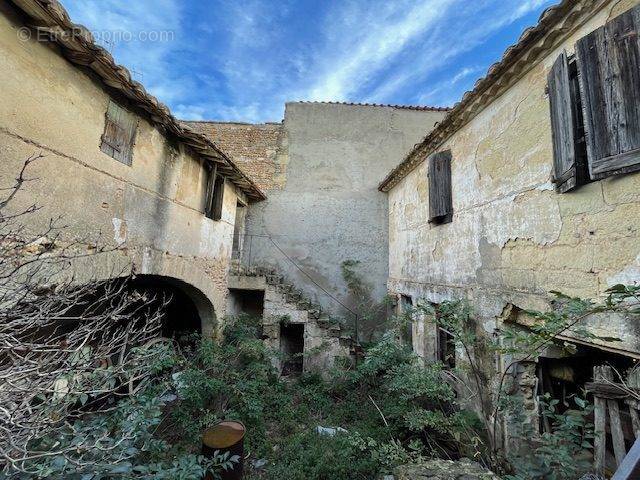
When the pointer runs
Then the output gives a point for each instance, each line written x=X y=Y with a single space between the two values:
x=186 y=309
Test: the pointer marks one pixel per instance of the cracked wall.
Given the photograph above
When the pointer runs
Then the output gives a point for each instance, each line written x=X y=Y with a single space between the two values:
x=152 y=210
x=513 y=238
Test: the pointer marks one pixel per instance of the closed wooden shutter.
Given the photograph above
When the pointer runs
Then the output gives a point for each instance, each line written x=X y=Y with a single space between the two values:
x=440 y=199
x=569 y=169
x=609 y=65
x=211 y=170
x=119 y=133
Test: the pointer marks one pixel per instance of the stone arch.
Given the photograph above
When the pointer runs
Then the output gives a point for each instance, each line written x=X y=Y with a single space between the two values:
x=189 y=309
x=188 y=275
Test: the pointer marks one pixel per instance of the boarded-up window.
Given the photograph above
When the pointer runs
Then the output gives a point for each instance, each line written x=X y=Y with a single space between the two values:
x=570 y=168
x=440 y=199
x=609 y=66
x=119 y=133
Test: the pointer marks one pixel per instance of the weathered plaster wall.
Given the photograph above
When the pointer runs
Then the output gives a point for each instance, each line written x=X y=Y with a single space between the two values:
x=329 y=209
x=152 y=209
x=513 y=238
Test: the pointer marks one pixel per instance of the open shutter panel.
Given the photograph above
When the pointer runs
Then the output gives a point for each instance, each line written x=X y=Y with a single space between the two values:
x=218 y=197
x=562 y=101
x=609 y=66
x=440 y=201
x=210 y=187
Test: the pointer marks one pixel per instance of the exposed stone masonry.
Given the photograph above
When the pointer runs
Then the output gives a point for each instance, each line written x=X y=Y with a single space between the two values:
x=254 y=148
x=324 y=338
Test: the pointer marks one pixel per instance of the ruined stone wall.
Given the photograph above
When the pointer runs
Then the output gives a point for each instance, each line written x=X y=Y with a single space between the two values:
x=324 y=341
x=328 y=208
x=513 y=238
x=152 y=210
x=255 y=148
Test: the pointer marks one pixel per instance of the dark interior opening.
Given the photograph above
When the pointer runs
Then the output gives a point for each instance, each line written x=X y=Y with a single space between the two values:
x=446 y=348
x=564 y=379
x=181 y=316
x=292 y=348
x=582 y=165
x=406 y=308
x=248 y=302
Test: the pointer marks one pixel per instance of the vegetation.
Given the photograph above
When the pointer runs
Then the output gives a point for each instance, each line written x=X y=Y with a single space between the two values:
x=90 y=391
x=391 y=410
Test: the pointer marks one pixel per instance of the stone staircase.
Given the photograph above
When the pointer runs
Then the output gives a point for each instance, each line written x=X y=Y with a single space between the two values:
x=283 y=302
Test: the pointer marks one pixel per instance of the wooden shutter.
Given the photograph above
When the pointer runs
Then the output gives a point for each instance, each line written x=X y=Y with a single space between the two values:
x=119 y=133
x=211 y=170
x=218 y=197
x=440 y=200
x=609 y=66
x=569 y=169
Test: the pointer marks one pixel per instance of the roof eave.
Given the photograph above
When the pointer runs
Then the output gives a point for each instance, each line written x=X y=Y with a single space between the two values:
x=555 y=24
x=79 y=47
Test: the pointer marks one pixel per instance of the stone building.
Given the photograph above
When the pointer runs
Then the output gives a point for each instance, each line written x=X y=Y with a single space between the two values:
x=115 y=161
x=177 y=201
x=508 y=198
x=503 y=200
x=320 y=170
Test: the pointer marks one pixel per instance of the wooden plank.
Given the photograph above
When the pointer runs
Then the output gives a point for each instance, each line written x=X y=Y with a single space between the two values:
x=600 y=373
x=617 y=435
x=600 y=431
x=635 y=421
x=440 y=194
x=626 y=162
x=609 y=66
x=630 y=467
x=563 y=121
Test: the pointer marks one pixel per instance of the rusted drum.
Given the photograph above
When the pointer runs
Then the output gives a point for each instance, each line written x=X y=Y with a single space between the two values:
x=227 y=436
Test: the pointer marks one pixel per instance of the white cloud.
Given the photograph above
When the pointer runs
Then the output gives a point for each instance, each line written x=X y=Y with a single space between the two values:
x=243 y=60
x=140 y=35
x=367 y=38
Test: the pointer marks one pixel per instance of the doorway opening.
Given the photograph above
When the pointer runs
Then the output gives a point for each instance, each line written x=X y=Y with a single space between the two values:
x=292 y=348
x=180 y=315
x=247 y=302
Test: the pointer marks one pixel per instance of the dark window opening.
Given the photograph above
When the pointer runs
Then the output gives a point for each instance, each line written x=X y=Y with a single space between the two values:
x=582 y=165
x=246 y=302
x=406 y=310
x=119 y=133
x=218 y=197
x=440 y=195
x=292 y=348
x=446 y=348
x=214 y=193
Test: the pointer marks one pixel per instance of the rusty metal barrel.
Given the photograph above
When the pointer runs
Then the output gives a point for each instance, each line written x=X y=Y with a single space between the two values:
x=226 y=436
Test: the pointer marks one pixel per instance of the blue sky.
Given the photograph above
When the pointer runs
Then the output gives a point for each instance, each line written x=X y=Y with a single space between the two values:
x=241 y=60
